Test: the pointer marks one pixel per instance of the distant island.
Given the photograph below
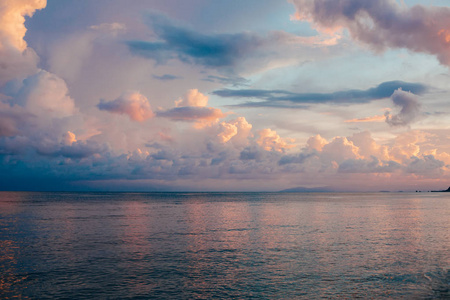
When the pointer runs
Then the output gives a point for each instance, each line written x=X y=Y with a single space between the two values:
x=444 y=191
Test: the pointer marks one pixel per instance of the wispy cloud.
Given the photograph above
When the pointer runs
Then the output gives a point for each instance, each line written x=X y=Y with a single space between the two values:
x=166 y=77
x=383 y=90
x=233 y=80
x=378 y=118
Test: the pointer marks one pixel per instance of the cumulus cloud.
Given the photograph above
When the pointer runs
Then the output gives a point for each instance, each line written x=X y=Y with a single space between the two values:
x=81 y=149
x=361 y=154
x=192 y=108
x=339 y=150
x=316 y=143
x=192 y=98
x=43 y=135
x=425 y=165
x=45 y=93
x=374 y=165
x=16 y=59
x=13 y=119
x=238 y=130
x=269 y=140
x=277 y=97
x=410 y=109
x=12 y=21
x=383 y=24
x=133 y=104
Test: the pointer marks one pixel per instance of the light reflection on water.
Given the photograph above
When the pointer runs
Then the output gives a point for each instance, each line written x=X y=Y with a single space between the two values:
x=236 y=245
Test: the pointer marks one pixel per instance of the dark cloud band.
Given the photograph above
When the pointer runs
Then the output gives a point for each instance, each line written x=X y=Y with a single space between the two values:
x=271 y=97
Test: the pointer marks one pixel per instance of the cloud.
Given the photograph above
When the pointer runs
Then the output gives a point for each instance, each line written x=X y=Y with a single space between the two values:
x=192 y=113
x=16 y=60
x=383 y=90
x=133 y=104
x=82 y=149
x=426 y=164
x=192 y=98
x=69 y=138
x=228 y=53
x=177 y=41
x=13 y=119
x=12 y=21
x=361 y=154
x=238 y=131
x=269 y=140
x=378 y=118
x=45 y=94
x=410 y=109
x=192 y=108
x=232 y=80
x=374 y=165
x=166 y=77
x=109 y=27
x=383 y=24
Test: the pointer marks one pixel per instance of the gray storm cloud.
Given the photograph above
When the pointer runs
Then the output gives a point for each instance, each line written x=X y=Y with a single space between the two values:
x=410 y=109
x=383 y=24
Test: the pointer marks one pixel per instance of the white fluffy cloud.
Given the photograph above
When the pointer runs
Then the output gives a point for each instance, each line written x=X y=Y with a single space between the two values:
x=192 y=98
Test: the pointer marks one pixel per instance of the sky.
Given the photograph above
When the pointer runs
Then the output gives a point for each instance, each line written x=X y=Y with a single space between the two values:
x=115 y=95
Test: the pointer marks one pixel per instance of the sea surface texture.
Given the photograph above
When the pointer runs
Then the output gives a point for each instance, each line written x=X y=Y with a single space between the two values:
x=224 y=245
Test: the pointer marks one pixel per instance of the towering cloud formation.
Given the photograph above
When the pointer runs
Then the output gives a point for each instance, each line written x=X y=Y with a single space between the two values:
x=15 y=58
x=12 y=19
x=383 y=24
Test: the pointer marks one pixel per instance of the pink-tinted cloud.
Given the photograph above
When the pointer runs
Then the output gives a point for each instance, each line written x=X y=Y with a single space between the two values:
x=69 y=138
x=383 y=24
x=238 y=131
x=269 y=140
x=192 y=108
x=133 y=104
x=378 y=118
x=12 y=19
x=16 y=59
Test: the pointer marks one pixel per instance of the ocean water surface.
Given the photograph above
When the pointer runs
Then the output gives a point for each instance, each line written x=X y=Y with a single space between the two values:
x=224 y=245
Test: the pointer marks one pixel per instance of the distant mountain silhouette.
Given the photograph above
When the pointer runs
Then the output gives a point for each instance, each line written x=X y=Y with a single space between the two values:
x=301 y=189
x=444 y=191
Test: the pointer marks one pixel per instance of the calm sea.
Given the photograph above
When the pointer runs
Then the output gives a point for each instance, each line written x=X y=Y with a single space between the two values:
x=224 y=245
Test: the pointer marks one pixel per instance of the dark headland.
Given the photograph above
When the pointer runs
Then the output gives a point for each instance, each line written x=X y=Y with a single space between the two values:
x=444 y=191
